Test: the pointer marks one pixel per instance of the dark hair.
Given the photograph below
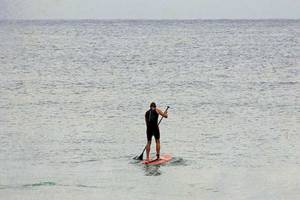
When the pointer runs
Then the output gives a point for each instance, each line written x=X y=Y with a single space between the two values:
x=152 y=105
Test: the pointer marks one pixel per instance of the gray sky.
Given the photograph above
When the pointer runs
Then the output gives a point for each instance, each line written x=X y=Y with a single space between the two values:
x=148 y=9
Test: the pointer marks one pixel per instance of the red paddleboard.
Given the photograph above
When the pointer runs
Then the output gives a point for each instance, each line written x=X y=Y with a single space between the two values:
x=163 y=159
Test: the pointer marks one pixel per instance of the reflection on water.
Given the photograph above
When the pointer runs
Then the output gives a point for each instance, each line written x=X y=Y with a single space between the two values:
x=152 y=170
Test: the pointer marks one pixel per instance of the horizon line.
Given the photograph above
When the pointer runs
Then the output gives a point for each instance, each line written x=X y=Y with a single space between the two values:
x=140 y=19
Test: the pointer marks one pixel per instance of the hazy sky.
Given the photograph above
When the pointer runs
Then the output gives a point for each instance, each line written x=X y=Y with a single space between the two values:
x=148 y=9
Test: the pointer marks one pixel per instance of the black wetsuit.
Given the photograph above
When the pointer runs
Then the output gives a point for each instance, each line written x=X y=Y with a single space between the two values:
x=151 y=118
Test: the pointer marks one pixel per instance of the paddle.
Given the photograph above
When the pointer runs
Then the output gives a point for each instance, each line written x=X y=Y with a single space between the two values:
x=142 y=155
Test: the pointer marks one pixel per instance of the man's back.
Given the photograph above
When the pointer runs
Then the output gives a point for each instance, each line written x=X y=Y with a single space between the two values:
x=151 y=117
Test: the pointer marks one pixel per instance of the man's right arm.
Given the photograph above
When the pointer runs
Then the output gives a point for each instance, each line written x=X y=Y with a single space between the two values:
x=164 y=114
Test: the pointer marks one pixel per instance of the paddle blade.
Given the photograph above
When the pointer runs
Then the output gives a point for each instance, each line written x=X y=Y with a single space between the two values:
x=139 y=157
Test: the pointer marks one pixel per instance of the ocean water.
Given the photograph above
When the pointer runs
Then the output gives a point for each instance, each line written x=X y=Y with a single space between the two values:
x=73 y=96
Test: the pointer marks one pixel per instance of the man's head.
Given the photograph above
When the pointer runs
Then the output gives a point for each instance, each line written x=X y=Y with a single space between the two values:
x=153 y=106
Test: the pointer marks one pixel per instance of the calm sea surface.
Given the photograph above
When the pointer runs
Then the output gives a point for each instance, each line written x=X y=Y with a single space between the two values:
x=73 y=96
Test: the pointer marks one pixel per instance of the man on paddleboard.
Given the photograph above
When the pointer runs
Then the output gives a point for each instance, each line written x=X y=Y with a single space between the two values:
x=151 y=118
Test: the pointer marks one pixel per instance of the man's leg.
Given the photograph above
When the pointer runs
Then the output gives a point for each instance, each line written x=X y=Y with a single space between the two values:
x=148 y=150
x=157 y=148
x=157 y=140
